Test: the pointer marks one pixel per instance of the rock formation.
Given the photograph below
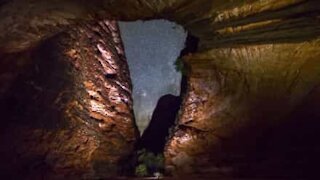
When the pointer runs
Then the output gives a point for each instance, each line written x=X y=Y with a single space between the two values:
x=163 y=118
x=69 y=112
x=254 y=77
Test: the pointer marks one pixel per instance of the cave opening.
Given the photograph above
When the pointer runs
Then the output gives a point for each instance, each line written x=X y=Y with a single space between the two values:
x=95 y=66
x=152 y=48
x=154 y=51
x=250 y=110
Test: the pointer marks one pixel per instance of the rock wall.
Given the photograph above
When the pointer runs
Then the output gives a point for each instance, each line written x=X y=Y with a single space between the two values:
x=235 y=96
x=69 y=112
x=256 y=64
x=255 y=67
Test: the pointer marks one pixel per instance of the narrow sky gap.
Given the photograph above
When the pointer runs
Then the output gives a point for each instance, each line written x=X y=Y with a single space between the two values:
x=151 y=49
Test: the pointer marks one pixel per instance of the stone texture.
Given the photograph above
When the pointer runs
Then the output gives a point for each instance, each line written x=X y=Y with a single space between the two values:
x=234 y=97
x=251 y=73
x=252 y=77
x=69 y=113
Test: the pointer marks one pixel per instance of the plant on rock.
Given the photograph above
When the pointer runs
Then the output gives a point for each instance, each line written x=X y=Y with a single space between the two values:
x=149 y=164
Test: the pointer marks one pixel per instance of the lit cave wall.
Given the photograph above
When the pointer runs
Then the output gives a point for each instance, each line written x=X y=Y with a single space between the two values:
x=151 y=49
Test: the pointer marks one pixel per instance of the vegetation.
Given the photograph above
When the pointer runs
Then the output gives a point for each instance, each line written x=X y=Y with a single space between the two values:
x=141 y=170
x=149 y=163
x=180 y=66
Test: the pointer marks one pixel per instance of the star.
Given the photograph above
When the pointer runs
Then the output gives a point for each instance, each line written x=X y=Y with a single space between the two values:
x=151 y=48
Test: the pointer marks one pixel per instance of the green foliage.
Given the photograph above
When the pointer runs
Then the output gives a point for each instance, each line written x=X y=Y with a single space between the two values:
x=180 y=66
x=149 y=163
x=141 y=170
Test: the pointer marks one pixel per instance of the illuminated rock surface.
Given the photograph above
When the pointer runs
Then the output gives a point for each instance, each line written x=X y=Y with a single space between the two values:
x=69 y=114
x=252 y=81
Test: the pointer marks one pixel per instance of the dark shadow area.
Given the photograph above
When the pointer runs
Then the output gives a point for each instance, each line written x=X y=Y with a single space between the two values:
x=291 y=149
x=192 y=45
x=32 y=96
x=286 y=150
x=152 y=143
x=163 y=117
x=29 y=110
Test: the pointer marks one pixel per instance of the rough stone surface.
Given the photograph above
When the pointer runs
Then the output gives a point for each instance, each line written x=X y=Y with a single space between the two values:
x=255 y=73
x=69 y=114
x=234 y=97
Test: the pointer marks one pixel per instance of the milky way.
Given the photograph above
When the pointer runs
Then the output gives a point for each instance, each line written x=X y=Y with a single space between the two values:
x=151 y=49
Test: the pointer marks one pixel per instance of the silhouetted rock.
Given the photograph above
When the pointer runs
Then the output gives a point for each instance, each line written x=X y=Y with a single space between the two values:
x=163 y=117
x=257 y=62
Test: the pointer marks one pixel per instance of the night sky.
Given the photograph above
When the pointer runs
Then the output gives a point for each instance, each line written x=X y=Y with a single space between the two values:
x=151 y=49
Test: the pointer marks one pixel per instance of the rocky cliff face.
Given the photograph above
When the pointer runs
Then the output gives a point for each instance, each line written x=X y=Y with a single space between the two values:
x=69 y=112
x=255 y=76
x=248 y=78
x=227 y=110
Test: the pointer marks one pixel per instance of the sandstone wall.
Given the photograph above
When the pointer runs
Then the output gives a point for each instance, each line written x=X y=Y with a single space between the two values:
x=69 y=112
x=257 y=63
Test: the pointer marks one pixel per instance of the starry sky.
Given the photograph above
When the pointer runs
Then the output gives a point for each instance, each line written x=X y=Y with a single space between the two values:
x=151 y=49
